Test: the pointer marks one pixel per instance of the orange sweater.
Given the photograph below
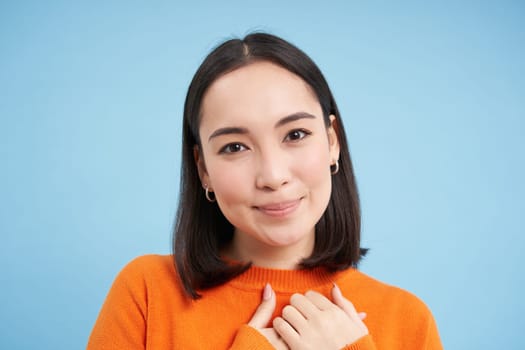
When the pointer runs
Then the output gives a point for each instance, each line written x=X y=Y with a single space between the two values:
x=146 y=309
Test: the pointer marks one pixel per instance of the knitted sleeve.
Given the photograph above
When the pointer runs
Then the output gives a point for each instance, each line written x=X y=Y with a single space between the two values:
x=248 y=338
x=121 y=323
x=364 y=343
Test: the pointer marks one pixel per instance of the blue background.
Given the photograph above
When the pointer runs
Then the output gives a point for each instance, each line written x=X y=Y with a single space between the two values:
x=91 y=97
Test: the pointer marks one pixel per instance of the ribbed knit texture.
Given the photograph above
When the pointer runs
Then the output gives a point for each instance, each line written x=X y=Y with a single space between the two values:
x=147 y=309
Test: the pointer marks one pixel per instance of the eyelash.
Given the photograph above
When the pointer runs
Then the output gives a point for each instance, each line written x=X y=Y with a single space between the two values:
x=227 y=149
x=302 y=131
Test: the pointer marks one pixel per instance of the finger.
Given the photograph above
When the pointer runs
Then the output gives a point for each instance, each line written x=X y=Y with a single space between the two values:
x=264 y=312
x=362 y=315
x=286 y=332
x=291 y=315
x=303 y=305
x=343 y=303
x=319 y=300
x=274 y=338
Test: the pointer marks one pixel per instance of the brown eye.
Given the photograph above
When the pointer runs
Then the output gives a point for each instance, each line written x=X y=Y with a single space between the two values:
x=296 y=135
x=233 y=148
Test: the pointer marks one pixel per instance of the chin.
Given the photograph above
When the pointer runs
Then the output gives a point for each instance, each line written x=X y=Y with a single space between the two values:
x=285 y=239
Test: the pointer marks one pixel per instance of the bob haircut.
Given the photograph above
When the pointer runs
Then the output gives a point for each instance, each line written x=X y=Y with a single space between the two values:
x=201 y=230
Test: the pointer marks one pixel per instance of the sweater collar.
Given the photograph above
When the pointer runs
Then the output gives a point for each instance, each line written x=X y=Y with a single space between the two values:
x=288 y=280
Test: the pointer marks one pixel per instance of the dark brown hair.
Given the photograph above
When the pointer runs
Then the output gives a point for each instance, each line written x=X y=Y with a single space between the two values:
x=201 y=230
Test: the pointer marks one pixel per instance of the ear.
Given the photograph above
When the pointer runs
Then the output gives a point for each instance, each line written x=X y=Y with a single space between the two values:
x=201 y=167
x=333 y=139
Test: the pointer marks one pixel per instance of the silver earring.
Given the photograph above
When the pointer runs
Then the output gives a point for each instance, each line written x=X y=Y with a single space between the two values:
x=336 y=170
x=207 y=194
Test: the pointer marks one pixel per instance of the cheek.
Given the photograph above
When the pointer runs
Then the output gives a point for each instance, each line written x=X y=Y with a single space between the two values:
x=314 y=169
x=230 y=183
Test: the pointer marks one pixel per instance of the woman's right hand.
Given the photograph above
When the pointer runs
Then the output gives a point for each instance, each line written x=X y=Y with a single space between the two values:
x=263 y=317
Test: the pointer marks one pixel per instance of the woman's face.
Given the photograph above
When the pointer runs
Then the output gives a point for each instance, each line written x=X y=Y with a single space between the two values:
x=266 y=155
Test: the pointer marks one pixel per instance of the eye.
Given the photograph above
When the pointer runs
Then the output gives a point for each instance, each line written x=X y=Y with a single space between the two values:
x=233 y=148
x=297 y=134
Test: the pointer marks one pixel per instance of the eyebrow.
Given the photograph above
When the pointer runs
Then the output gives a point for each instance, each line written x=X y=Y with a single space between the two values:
x=283 y=121
x=294 y=117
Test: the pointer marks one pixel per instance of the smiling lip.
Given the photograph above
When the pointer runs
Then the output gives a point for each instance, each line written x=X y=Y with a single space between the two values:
x=279 y=209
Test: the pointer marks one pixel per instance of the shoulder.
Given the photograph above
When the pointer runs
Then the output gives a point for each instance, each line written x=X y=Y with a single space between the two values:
x=375 y=293
x=150 y=262
x=394 y=315
x=149 y=270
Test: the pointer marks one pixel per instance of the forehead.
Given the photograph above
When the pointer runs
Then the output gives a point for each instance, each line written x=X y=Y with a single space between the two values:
x=256 y=93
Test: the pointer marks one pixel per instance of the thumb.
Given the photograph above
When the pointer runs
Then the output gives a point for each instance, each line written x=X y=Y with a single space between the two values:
x=345 y=304
x=264 y=312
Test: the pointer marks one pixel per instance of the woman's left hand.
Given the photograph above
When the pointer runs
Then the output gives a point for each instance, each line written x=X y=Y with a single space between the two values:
x=312 y=321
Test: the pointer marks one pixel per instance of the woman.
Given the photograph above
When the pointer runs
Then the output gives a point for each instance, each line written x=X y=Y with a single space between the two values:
x=267 y=237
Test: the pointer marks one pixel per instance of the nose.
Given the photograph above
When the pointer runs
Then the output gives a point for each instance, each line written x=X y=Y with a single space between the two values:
x=273 y=170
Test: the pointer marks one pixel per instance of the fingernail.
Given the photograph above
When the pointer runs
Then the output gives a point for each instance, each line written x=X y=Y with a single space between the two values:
x=267 y=293
x=362 y=315
x=336 y=288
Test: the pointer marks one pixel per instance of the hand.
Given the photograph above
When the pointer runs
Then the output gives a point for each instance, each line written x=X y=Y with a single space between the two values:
x=262 y=317
x=311 y=321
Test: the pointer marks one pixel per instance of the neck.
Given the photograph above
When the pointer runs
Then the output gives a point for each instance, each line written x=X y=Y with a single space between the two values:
x=245 y=248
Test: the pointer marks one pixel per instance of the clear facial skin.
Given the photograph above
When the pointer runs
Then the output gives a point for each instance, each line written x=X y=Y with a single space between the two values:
x=266 y=155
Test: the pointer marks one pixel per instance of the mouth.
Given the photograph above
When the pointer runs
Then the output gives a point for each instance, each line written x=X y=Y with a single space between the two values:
x=279 y=209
